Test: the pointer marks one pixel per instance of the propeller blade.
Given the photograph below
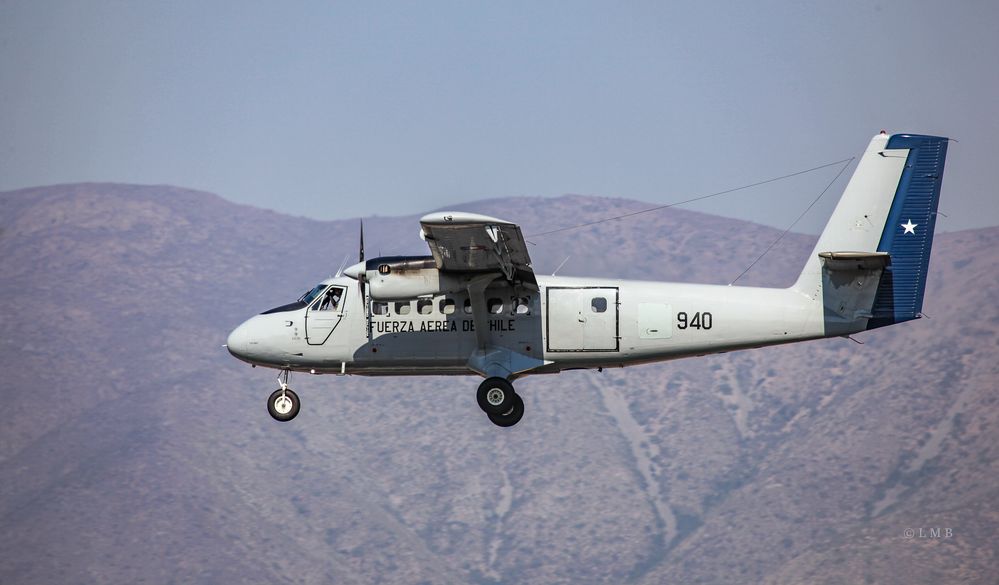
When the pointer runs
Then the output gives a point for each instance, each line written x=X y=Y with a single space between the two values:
x=360 y=258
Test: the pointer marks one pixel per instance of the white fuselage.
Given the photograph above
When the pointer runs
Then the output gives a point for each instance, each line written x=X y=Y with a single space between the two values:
x=567 y=323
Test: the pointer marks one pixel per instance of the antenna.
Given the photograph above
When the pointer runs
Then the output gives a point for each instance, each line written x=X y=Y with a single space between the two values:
x=691 y=200
x=561 y=265
x=343 y=265
x=846 y=163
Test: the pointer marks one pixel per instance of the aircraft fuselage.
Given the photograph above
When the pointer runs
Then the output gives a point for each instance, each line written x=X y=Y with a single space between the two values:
x=568 y=323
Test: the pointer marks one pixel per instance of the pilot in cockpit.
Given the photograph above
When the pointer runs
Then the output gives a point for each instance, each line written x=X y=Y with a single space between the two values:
x=331 y=300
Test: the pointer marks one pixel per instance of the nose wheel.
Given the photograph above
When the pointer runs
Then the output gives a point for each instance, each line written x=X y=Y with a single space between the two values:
x=498 y=400
x=283 y=404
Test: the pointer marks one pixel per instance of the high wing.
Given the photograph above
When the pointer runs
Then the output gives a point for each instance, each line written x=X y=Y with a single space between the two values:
x=483 y=249
x=472 y=243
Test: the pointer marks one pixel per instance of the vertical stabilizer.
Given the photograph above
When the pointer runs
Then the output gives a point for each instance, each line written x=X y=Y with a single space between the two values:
x=889 y=206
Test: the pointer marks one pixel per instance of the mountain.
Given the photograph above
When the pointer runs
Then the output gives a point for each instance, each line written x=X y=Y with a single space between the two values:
x=135 y=449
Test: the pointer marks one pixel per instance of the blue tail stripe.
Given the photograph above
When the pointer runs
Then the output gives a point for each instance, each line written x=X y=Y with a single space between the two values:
x=900 y=293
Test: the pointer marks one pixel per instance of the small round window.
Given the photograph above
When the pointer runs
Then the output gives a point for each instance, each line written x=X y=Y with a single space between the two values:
x=598 y=304
x=384 y=269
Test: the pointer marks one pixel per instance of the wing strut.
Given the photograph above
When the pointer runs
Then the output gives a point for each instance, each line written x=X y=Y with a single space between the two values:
x=480 y=313
x=501 y=250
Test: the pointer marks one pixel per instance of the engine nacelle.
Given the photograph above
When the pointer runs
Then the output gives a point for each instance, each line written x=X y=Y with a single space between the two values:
x=405 y=277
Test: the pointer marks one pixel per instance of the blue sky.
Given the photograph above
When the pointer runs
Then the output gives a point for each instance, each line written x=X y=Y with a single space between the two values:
x=335 y=110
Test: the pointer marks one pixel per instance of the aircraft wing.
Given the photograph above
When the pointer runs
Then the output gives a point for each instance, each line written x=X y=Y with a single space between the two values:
x=472 y=243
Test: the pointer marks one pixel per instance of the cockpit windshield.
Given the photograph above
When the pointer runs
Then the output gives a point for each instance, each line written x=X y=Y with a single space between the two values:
x=312 y=294
x=302 y=302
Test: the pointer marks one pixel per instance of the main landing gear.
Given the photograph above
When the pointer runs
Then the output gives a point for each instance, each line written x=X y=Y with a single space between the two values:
x=498 y=400
x=283 y=404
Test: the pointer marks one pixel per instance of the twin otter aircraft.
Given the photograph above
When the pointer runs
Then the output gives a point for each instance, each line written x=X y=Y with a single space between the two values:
x=475 y=305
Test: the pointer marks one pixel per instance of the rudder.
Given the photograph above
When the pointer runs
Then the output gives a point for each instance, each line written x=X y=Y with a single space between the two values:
x=908 y=233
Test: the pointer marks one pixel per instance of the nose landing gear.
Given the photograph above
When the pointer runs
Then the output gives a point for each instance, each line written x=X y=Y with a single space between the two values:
x=283 y=404
x=498 y=400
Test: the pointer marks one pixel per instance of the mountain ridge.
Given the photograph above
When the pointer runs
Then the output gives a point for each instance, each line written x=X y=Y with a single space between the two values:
x=136 y=448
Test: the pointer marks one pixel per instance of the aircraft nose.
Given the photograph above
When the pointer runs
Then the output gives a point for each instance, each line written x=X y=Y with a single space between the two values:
x=238 y=341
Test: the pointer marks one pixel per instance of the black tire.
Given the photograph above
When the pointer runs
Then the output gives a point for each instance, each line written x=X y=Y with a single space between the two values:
x=283 y=414
x=511 y=417
x=495 y=395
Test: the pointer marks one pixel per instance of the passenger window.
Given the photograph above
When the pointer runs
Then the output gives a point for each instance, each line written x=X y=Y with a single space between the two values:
x=424 y=306
x=379 y=308
x=402 y=308
x=495 y=306
x=468 y=307
x=598 y=304
x=521 y=306
x=447 y=306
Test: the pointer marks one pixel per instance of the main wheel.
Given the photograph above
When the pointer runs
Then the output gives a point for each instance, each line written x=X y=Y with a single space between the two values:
x=283 y=405
x=495 y=395
x=511 y=417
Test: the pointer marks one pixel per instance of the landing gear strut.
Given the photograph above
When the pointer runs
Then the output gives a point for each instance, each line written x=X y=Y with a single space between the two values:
x=283 y=404
x=498 y=400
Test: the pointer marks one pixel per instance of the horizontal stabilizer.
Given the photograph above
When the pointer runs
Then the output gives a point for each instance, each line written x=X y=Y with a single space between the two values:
x=840 y=261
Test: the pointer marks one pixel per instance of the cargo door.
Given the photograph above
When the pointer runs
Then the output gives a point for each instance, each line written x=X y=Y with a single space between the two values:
x=582 y=318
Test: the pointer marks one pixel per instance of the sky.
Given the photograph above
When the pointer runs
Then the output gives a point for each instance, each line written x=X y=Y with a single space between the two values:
x=336 y=110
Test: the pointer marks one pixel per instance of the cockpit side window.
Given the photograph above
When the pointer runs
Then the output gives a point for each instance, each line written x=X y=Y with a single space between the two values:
x=330 y=301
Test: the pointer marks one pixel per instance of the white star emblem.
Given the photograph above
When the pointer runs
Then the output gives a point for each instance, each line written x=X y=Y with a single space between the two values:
x=909 y=227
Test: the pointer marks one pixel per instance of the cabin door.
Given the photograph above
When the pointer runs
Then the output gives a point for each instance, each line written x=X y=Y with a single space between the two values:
x=323 y=315
x=582 y=318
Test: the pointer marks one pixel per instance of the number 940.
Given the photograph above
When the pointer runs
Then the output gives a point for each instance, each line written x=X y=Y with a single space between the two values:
x=693 y=320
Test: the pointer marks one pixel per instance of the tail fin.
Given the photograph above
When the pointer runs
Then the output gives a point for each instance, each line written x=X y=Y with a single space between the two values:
x=889 y=206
